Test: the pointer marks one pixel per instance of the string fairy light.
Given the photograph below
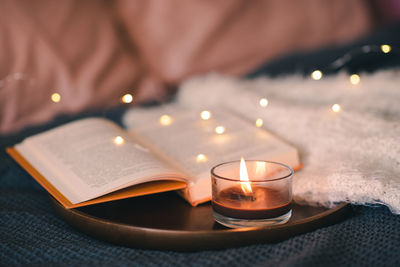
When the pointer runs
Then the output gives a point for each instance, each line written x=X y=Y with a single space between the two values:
x=56 y=97
x=386 y=48
x=201 y=158
x=127 y=98
x=366 y=49
x=118 y=140
x=316 y=75
x=259 y=122
x=205 y=115
x=341 y=62
x=220 y=129
x=355 y=79
x=263 y=102
x=165 y=120
x=336 y=108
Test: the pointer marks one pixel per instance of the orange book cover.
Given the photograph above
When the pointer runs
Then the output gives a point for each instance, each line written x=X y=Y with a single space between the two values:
x=133 y=191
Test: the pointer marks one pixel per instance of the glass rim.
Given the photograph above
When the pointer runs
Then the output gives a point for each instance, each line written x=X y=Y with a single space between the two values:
x=250 y=180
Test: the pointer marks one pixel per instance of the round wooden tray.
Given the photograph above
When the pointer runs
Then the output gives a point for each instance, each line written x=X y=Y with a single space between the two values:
x=166 y=222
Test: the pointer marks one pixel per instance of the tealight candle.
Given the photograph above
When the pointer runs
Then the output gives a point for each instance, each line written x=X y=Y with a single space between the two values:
x=251 y=193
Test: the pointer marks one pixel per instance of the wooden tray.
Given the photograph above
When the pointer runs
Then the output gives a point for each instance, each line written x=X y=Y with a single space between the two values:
x=166 y=222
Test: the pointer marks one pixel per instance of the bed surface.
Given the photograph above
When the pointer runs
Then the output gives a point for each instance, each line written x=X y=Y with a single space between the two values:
x=31 y=232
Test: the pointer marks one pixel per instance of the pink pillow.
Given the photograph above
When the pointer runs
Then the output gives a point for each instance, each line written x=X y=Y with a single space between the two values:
x=65 y=47
x=176 y=39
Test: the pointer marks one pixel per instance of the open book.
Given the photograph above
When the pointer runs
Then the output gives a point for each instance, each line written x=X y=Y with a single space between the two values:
x=94 y=160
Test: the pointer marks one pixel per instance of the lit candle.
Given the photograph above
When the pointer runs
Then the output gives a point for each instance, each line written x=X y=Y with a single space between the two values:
x=251 y=193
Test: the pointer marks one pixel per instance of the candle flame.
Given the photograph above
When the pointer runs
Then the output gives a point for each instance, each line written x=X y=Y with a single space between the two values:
x=244 y=178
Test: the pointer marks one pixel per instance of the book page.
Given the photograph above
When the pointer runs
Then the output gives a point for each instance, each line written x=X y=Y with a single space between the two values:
x=92 y=157
x=195 y=146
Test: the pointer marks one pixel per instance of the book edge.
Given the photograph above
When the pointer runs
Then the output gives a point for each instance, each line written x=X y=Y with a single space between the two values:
x=133 y=191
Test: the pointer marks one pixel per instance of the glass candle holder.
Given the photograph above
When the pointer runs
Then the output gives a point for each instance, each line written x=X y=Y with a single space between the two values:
x=262 y=198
